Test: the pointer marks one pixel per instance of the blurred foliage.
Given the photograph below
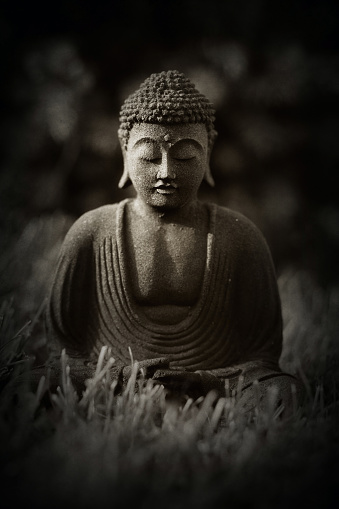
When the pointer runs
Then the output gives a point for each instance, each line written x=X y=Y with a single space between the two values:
x=270 y=68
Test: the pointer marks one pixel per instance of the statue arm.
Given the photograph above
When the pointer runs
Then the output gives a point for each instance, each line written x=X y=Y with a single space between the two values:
x=69 y=301
x=253 y=305
x=254 y=308
x=69 y=306
x=253 y=301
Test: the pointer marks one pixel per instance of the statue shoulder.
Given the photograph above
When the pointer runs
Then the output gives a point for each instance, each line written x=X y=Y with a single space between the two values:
x=246 y=250
x=91 y=226
x=236 y=229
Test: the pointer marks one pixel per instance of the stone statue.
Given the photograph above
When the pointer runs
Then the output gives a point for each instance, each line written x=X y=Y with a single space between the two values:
x=188 y=286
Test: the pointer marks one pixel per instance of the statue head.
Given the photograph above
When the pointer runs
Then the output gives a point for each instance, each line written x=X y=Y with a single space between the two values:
x=167 y=119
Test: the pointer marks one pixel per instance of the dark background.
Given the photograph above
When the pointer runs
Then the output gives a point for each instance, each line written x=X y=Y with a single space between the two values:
x=270 y=67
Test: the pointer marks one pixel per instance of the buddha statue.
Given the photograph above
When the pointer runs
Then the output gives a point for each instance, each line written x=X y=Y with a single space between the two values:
x=188 y=287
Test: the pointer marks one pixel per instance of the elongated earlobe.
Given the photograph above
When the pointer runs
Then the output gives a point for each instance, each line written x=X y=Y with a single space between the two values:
x=125 y=181
x=208 y=176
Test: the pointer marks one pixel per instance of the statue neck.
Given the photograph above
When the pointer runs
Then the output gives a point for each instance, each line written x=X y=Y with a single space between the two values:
x=184 y=215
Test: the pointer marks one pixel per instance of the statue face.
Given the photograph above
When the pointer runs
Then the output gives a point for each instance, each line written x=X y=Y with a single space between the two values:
x=167 y=164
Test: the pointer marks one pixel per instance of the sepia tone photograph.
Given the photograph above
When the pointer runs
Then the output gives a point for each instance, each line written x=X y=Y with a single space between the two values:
x=169 y=281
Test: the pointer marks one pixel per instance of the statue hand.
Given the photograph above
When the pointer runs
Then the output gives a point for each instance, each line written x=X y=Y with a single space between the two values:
x=192 y=383
x=148 y=367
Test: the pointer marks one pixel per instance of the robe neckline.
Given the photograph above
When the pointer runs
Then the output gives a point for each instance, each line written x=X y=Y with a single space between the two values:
x=196 y=309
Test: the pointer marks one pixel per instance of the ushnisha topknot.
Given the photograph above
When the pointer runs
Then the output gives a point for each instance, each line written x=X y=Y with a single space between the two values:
x=167 y=97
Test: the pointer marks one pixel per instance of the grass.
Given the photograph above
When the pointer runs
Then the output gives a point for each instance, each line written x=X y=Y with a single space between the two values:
x=139 y=448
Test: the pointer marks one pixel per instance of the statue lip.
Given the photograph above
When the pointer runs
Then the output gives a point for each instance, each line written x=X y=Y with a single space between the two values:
x=165 y=187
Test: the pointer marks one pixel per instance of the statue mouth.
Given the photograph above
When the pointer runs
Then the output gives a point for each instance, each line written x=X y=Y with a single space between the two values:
x=162 y=187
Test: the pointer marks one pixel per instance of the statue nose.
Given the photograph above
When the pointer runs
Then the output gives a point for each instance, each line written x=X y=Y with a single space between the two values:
x=166 y=170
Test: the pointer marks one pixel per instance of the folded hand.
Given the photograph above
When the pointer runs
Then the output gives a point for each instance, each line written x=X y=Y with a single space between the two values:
x=192 y=383
x=148 y=367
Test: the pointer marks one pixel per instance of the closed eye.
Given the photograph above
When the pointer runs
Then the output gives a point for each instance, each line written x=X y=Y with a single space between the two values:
x=184 y=158
x=151 y=159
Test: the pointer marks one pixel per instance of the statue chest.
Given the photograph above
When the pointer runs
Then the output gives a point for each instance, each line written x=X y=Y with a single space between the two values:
x=167 y=264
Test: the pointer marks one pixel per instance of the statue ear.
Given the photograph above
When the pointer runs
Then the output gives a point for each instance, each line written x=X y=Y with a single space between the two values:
x=208 y=176
x=125 y=181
